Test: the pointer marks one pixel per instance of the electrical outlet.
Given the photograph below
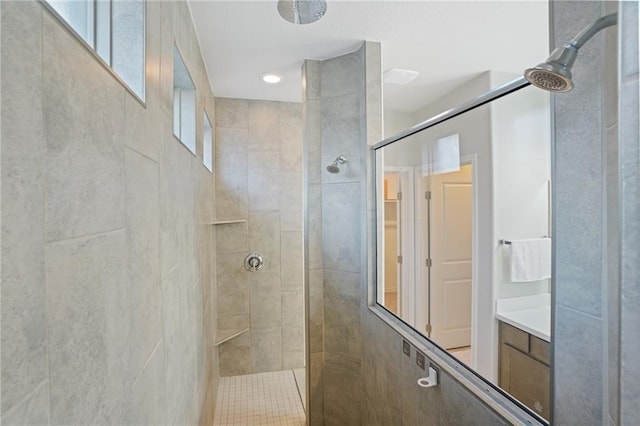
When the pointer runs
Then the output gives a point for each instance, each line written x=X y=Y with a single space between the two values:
x=406 y=348
x=420 y=360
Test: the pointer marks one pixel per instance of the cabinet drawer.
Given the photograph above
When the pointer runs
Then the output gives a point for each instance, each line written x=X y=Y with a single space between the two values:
x=515 y=337
x=527 y=380
x=540 y=350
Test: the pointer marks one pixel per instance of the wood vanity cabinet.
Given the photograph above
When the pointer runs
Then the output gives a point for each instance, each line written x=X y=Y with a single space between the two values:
x=524 y=368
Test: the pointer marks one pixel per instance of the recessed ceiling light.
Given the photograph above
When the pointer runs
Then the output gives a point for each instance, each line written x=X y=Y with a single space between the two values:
x=398 y=76
x=271 y=78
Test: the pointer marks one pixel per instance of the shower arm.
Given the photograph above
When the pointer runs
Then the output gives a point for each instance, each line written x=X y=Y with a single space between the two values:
x=588 y=32
x=567 y=54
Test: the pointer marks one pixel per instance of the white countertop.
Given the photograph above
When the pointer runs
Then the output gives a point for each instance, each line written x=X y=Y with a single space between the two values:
x=530 y=313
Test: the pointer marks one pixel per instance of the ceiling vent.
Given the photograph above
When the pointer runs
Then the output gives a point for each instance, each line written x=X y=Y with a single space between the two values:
x=398 y=76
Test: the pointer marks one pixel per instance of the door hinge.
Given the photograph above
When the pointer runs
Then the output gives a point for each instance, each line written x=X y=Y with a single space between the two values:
x=428 y=263
x=427 y=328
x=399 y=196
x=400 y=259
x=427 y=195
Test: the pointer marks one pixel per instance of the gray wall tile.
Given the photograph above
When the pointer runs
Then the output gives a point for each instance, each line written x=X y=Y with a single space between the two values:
x=233 y=287
x=312 y=79
x=341 y=75
x=580 y=398
x=145 y=128
x=264 y=178
x=264 y=125
x=232 y=113
x=340 y=234
x=628 y=21
x=83 y=114
x=88 y=314
x=233 y=322
x=231 y=204
x=291 y=268
x=313 y=141
x=149 y=392
x=291 y=201
x=235 y=356
x=264 y=231
x=459 y=407
x=629 y=153
x=143 y=255
x=293 y=310
x=342 y=391
x=316 y=311
x=266 y=349
x=293 y=359
x=31 y=411
x=231 y=159
x=342 y=313
x=22 y=294
x=291 y=137
x=314 y=225
x=232 y=238
x=341 y=135
x=316 y=389
x=266 y=306
x=124 y=205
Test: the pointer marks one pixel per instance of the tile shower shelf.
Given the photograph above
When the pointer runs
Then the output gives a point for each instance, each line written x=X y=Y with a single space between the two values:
x=228 y=221
x=226 y=335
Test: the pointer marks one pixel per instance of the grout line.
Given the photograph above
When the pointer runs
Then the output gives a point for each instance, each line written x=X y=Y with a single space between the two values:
x=86 y=236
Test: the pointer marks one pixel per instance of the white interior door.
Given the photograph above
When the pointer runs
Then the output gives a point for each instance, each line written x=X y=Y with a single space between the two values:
x=451 y=259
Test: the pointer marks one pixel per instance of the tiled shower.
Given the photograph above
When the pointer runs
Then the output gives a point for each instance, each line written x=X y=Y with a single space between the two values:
x=116 y=288
x=258 y=165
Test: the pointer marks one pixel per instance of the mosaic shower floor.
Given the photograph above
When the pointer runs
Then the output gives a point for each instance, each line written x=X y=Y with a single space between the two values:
x=260 y=399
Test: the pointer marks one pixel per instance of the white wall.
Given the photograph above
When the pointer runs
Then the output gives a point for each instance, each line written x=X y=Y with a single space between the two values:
x=520 y=127
x=396 y=121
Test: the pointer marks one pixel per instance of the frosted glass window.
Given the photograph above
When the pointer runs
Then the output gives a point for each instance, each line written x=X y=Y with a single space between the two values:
x=127 y=40
x=207 y=143
x=184 y=103
x=78 y=14
x=115 y=30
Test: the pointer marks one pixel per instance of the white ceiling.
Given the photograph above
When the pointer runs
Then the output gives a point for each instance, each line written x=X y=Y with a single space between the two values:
x=448 y=42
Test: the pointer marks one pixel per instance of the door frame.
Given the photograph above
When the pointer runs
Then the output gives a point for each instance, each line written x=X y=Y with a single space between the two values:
x=422 y=275
x=406 y=240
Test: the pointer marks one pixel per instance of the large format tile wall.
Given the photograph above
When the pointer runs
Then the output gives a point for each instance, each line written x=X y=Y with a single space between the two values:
x=259 y=178
x=358 y=373
x=629 y=154
x=587 y=230
x=106 y=280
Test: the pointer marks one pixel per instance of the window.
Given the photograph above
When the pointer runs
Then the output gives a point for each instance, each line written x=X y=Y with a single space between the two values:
x=184 y=103
x=115 y=30
x=207 y=143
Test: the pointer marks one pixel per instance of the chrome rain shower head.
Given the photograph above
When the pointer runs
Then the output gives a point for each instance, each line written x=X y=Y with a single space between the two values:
x=334 y=167
x=554 y=74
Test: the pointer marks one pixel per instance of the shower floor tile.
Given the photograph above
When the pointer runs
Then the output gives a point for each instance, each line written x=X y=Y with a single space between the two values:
x=259 y=399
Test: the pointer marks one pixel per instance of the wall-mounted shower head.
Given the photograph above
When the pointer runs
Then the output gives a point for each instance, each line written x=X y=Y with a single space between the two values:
x=334 y=167
x=554 y=74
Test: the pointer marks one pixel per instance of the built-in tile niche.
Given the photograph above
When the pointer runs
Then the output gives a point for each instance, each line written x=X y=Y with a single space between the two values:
x=184 y=103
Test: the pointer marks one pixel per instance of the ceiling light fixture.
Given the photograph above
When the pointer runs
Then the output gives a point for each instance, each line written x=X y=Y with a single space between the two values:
x=302 y=11
x=271 y=78
x=398 y=76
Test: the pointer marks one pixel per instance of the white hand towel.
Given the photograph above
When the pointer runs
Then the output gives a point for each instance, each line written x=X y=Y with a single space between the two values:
x=530 y=260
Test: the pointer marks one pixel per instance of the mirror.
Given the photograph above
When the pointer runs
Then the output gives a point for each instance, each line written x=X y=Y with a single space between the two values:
x=464 y=240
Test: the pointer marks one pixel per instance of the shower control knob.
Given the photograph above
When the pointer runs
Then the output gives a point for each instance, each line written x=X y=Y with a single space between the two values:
x=253 y=262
